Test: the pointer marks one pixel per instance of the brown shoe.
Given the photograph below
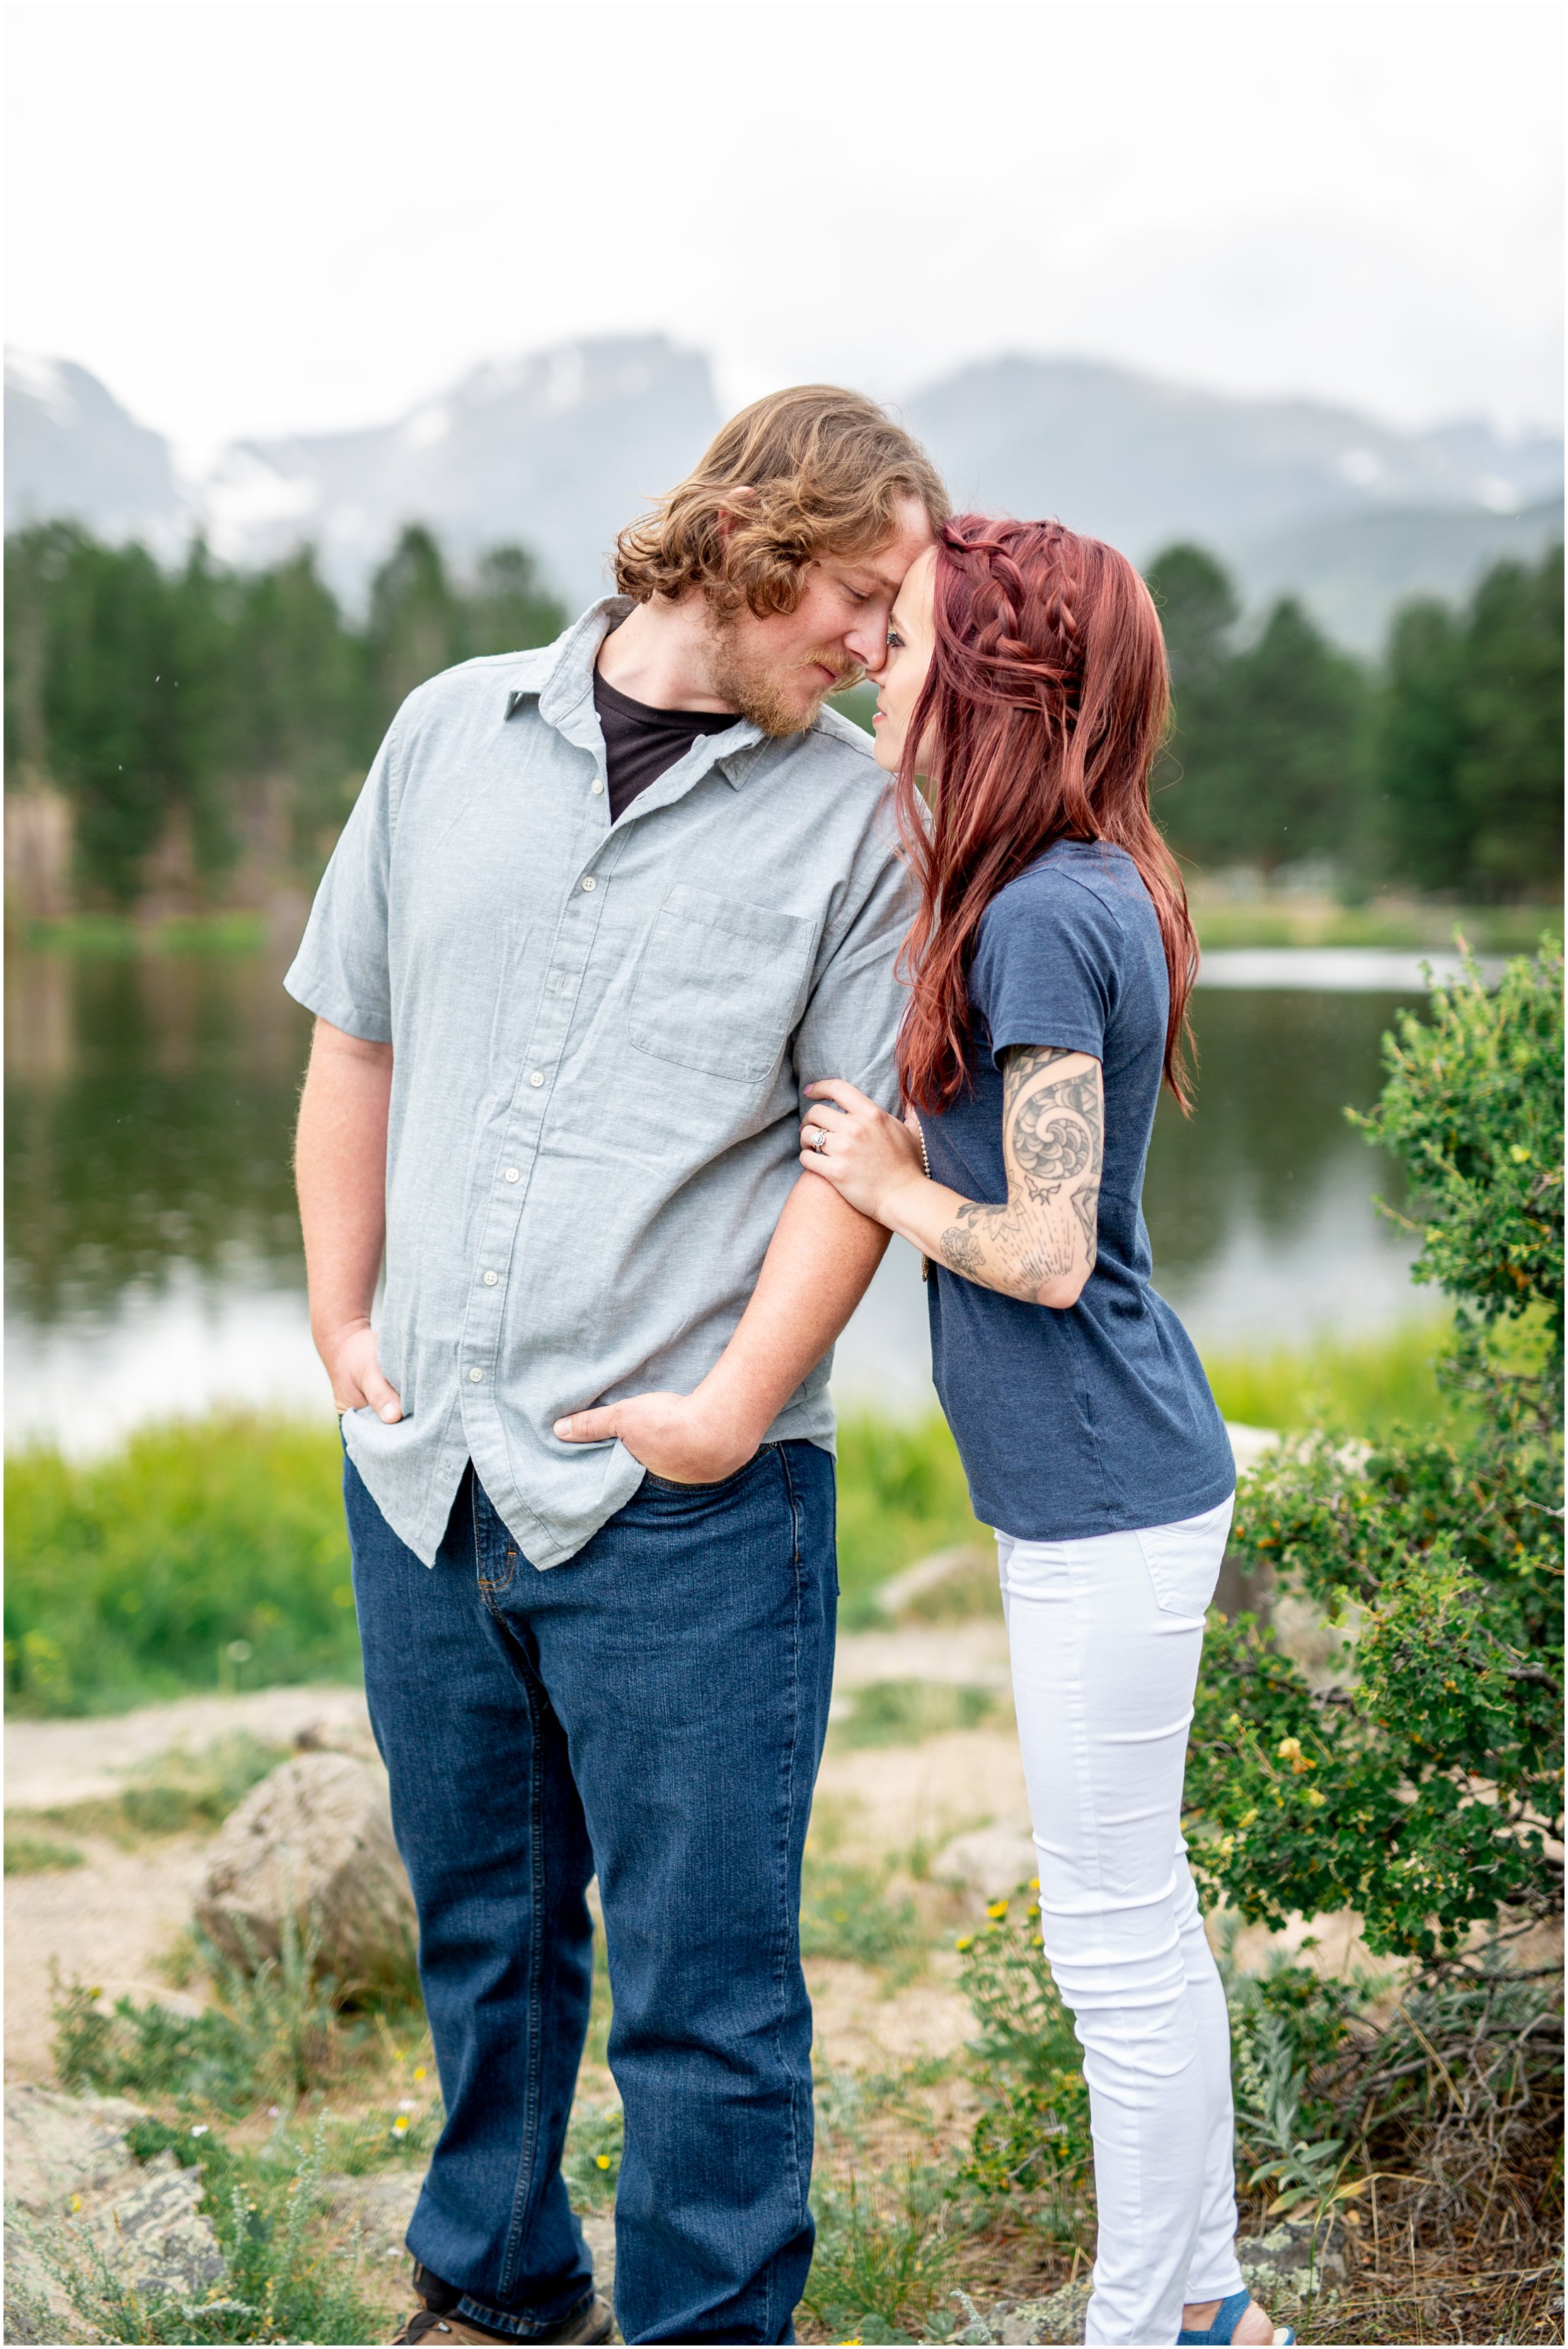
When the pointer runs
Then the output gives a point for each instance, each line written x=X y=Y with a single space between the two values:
x=592 y=2322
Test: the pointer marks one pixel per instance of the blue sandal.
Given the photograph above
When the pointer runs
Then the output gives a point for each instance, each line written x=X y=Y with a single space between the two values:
x=1227 y=2316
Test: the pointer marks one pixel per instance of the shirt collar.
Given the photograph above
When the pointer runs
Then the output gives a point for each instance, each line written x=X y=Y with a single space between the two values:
x=563 y=689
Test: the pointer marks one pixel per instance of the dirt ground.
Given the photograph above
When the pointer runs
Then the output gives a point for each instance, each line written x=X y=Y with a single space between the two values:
x=939 y=1821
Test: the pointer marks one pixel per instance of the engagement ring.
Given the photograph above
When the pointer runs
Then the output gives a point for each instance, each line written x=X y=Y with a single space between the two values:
x=820 y=1142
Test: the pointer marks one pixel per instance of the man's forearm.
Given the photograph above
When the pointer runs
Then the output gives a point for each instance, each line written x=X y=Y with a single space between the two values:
x=340 y=1167
x=818 y=1268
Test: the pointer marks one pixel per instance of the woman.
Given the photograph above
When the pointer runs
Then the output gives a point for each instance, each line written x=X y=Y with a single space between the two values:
x=1051 y=961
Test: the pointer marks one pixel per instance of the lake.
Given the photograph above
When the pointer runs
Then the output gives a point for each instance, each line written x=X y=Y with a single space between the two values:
x=153 y=1262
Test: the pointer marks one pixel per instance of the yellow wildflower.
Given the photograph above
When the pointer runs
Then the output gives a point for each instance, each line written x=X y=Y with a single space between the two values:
x=997 y=1909
x=400 y=2124
x=964 y=1942
x=421 y=2070
x=601 y=2161
x=1317 y=1797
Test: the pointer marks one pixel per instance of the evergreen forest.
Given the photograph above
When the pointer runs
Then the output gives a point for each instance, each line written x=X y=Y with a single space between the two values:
x=209 y=727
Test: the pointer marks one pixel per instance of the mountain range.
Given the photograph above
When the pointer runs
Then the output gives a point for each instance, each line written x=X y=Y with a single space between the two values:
x=558 y=447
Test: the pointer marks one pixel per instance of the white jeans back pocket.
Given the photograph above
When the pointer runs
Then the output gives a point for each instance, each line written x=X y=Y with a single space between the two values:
x=1184 y=1559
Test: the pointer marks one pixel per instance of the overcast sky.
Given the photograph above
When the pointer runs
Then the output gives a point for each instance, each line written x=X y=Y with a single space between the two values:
x=251 y=216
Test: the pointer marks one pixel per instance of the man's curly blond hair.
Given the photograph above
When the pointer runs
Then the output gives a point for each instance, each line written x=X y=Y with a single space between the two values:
x=803 y=473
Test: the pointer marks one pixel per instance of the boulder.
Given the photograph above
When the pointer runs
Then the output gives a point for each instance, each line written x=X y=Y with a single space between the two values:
x=314 y=1840
x=992 y=1861
x=1058 y=2318
x=1294 y=2259
x=80 y=2205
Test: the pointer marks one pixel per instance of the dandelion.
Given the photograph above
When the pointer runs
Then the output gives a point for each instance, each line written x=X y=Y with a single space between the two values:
x=1034 y=1883
x=400 y=2125
x=421 y=2070
x=997 y=1909
x=964 y=1942
x=601 y=2161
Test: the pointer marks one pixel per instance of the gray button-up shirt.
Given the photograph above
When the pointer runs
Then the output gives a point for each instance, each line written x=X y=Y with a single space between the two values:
x=600 y=1036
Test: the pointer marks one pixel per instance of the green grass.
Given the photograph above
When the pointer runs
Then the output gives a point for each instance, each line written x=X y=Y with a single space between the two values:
x=207 y=1554
x=845 y=1911
x=901 y=1494
x=284 y=2282
x=122 y=934
x=903 y=1713
x=1355 y=1386
x=28 y=1854
x=211 y=1554
x=172 y=1794
x=1407 y=924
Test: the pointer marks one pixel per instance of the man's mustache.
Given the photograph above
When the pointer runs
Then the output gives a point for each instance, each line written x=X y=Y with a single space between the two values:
x=845 y=673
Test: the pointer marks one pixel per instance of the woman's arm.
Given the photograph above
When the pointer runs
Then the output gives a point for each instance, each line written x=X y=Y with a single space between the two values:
x=1040 y=1246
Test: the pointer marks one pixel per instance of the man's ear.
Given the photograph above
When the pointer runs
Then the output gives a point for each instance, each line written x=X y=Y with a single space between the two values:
x=732 y=513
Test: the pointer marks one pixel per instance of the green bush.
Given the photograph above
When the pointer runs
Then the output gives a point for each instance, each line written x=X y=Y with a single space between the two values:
x=1424 y=1788
x=1031 y=2136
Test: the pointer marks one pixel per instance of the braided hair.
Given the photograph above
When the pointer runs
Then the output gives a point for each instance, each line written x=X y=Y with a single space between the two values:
x=1045 y=701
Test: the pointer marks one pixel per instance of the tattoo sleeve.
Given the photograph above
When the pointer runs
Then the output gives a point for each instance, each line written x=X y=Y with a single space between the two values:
x=1053 y=1143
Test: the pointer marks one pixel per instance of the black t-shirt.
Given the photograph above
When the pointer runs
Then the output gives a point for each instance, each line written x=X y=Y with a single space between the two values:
x=641 y=743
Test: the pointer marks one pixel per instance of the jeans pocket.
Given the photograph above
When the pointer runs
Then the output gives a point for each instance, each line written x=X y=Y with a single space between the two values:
x=651 y=1484
x=1184 y=1561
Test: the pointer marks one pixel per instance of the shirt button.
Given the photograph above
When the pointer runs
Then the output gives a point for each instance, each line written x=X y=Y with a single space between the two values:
x=589 y=882
x=537 y=1078
x=512 y=1175
x=476 y=1376
x=491 y=1279
x=597 y=788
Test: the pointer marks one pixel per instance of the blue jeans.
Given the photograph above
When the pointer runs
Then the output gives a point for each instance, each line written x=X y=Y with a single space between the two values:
x=652 y=1710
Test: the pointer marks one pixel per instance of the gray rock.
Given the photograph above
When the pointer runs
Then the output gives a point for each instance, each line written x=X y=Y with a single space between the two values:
x=315 y=1837
x=992 y=1861
x=79 y=2202
x=1286 y=2262
x=1057 y=2319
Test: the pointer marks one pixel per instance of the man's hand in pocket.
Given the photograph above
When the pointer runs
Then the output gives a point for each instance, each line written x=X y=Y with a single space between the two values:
x=354 y=1370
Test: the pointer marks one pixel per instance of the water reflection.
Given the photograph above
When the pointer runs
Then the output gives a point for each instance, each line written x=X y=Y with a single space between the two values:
x=153 y=1259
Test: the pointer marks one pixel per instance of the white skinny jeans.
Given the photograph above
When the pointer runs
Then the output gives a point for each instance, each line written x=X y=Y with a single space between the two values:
x=1106 y=1635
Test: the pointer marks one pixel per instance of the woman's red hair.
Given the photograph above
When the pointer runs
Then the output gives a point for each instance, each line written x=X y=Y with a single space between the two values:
x=1044 y=704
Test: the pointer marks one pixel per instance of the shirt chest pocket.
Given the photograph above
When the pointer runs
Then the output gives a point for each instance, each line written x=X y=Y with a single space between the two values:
x=719 y=984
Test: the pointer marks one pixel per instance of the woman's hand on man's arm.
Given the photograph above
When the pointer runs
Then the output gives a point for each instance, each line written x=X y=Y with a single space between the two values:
x=1041 y=1246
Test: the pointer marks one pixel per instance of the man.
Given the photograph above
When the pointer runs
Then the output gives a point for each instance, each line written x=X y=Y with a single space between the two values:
x=601 y=914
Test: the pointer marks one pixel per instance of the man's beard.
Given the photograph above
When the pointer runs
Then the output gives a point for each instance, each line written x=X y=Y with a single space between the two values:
x=755 y=686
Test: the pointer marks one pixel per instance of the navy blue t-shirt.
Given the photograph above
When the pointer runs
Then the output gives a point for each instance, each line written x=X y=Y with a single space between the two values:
x=1098 y=1419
